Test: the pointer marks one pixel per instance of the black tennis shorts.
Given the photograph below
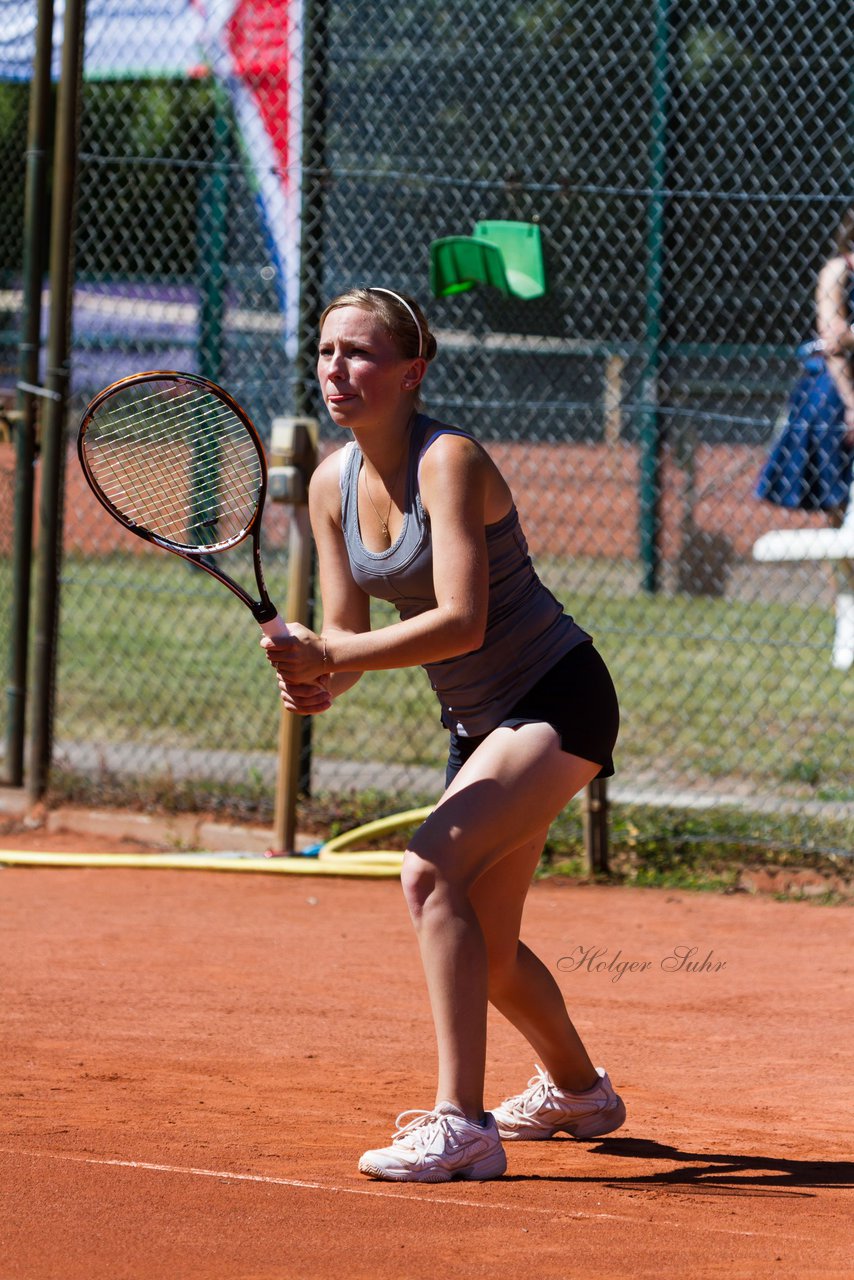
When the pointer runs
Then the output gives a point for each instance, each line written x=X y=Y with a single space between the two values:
x=577 y=697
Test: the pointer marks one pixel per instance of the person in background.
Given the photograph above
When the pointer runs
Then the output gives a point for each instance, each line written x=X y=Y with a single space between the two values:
x=809 y=466
x=835 y=324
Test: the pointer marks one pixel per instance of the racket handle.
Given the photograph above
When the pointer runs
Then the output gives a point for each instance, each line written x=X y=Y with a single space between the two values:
x=276 y=629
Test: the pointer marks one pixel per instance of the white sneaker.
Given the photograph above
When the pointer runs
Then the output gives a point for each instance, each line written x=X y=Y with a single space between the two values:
x=435 y=1146
x=544 y=1110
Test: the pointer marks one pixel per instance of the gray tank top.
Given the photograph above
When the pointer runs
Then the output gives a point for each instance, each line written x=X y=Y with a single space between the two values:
x=526 y=630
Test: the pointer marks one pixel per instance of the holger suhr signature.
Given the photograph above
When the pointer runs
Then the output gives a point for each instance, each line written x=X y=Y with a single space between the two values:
x=680 y=959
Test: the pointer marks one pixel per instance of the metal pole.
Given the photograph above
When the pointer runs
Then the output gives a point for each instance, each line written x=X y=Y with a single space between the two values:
x=312 y=202
x=595 y=815
x=35 y=258
x=313 y=157
x=650 y=421
x=58 y=373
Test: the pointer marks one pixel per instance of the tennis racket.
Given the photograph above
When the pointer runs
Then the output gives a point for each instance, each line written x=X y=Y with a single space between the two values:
x=176 y=461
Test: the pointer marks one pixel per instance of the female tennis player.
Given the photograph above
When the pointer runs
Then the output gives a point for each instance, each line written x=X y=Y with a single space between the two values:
x=415 y=512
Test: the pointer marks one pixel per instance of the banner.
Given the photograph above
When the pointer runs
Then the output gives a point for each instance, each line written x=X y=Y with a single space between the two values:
x=123 y=40
x=255 y=49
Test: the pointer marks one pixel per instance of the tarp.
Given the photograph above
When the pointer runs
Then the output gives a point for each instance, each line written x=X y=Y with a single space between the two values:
x=151 y=38
x=254 y=47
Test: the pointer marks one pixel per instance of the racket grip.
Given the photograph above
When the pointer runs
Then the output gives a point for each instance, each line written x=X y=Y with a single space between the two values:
x=276 y=628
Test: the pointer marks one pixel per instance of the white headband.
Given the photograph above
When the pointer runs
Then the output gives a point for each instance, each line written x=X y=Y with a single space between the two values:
x=403 y=303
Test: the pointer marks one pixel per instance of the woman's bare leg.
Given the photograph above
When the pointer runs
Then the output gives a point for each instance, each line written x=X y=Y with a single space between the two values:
x=499 y=804
x=521 y=987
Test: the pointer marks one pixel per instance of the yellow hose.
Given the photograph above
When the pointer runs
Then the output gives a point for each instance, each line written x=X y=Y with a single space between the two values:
x=197 y=862
x=383 y=857
x=330 y=861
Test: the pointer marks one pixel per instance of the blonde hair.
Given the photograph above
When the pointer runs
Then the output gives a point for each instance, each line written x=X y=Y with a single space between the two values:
x=399 y=314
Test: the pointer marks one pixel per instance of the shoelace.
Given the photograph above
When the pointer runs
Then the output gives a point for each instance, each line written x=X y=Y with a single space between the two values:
x=421 y=1129
x=537 y=1092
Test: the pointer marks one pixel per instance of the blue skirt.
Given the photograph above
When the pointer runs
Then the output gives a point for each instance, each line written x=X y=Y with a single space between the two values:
x=809 y=466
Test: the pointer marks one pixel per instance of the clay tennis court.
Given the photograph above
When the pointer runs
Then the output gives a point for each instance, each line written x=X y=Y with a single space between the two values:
x=192 y=1063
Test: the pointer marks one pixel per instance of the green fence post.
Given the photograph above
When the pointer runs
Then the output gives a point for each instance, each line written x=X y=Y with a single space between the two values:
x=650 y=419
x=294 y=754
x=211 y=246
x=312 y=163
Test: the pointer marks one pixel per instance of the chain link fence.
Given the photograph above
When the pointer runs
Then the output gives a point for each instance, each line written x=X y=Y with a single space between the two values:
x=687 y=167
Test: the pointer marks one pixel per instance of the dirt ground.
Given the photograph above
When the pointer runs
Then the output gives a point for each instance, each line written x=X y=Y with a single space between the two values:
x=192 y=1062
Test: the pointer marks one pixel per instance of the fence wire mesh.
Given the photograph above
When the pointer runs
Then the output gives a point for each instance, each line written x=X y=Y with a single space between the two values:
x=687 y=166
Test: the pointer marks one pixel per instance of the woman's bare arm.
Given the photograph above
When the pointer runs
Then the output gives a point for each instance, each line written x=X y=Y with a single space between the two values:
x=458 y=484
x=834 y=329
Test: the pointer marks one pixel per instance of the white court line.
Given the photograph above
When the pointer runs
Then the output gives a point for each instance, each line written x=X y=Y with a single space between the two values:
x=228 y=1176
x=385 y=1193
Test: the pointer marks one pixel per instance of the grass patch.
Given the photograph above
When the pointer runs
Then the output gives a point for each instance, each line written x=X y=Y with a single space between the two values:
x=715 y=694
x=699 y=850
x=710 y=689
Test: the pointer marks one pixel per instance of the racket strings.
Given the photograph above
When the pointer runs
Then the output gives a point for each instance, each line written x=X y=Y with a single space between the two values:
x=176 y=461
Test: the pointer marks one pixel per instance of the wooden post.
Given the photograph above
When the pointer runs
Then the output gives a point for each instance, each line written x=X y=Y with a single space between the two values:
x=613 y=399
x=290 y=726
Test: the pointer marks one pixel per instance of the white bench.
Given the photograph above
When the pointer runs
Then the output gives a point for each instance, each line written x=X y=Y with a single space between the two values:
x=832 y=546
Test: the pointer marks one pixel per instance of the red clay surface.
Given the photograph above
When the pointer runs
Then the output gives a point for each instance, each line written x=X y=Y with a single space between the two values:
x=557 y=487
x=191 y=1064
